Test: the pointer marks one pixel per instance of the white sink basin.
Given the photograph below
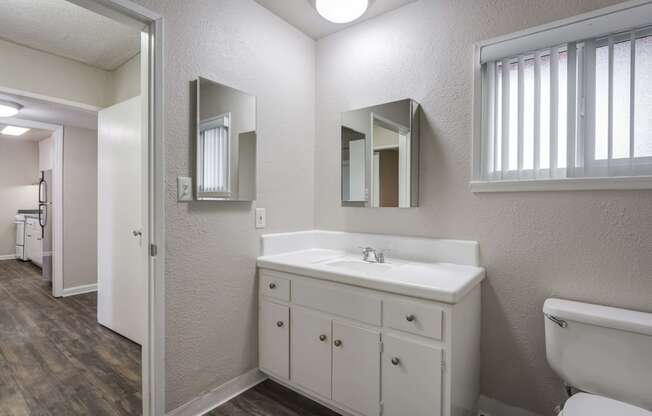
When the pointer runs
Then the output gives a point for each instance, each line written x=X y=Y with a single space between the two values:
x=360 y=266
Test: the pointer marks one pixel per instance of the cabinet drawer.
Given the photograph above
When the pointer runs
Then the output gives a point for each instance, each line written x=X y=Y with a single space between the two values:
x=343 y=302
x=274 y=286
x=413 y=317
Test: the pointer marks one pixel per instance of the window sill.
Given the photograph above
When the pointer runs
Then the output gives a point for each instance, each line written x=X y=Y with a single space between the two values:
x=567 y=184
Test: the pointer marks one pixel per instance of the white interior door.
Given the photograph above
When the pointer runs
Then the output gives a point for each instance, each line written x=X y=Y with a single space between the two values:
x=122 y=190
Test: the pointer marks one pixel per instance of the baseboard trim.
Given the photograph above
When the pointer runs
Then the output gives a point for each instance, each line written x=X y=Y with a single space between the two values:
x=78 y=290
x=220 y=395
x=7 y=257
x=492 y=407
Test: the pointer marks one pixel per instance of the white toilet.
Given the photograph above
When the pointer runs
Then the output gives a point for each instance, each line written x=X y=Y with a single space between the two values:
x=604 y=352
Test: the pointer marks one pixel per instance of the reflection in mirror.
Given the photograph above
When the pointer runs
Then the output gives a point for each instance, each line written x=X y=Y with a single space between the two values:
x=225 y=143
x=380 y=156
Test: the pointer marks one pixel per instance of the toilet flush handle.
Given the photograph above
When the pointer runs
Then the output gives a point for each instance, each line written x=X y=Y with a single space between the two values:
x=556 y=320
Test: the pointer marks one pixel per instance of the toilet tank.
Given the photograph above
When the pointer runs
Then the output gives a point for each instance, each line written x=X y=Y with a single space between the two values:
x=601 y=350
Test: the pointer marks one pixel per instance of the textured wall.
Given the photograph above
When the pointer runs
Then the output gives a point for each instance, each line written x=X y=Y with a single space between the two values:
x=79 y=207
x=591 y=246
x=210 y=278
x=18 y=173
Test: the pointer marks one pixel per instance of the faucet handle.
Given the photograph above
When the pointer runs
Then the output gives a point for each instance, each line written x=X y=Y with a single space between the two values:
x=366 y=252
x=380 y=255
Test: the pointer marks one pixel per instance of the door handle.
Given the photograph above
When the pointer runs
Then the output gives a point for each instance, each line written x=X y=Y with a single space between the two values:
x=137 y=233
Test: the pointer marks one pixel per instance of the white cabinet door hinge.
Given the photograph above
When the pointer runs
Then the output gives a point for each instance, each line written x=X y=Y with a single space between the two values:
x=153 y=250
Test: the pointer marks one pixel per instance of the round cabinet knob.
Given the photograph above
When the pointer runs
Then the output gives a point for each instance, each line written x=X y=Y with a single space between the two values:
x=410 y=318
x=322 y=337
x=279 y=324
x=396 y=361
x=337 y=343
x=272 y=286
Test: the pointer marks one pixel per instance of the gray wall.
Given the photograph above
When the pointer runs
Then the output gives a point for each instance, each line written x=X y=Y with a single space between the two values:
x=18 y=172
x=51 y=75
x=211 y=294
x=79 y=207
x=591 y=246
x=124 y=81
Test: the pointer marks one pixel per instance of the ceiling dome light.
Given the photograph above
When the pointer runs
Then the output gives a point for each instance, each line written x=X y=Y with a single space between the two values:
x=9 y=108
x=341 y=11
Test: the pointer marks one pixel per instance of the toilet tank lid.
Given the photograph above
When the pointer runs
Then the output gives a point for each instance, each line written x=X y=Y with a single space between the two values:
x=604 y=316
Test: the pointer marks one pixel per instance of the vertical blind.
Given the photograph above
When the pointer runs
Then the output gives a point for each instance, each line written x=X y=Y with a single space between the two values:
x=578 y=109
x=214 y=157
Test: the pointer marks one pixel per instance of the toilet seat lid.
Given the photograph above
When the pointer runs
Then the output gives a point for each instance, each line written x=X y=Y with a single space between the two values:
x=583 y=404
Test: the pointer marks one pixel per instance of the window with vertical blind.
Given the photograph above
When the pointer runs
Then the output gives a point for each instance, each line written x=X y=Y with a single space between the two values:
x=570 y=102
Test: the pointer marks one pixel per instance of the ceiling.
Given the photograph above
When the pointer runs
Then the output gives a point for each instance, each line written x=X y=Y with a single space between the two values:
x=67 y=30
x=52 y=113
x=302 y=15
x=33 y=135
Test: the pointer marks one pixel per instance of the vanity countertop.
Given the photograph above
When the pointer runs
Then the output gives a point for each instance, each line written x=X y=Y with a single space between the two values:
x=438 y=281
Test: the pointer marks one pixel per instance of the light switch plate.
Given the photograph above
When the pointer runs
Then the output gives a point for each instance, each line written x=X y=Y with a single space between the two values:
x=261 y=218
x=184 y=189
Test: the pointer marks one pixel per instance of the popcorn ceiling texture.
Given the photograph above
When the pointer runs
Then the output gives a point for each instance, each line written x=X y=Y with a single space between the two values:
x=589 y=246
x=211 y=293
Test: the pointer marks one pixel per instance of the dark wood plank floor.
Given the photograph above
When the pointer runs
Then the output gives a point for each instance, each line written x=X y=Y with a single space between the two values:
x=271 y=399
x=55 y=359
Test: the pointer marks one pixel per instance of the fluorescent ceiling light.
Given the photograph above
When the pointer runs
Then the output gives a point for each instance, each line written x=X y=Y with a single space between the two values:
x=9 y=108
x=341 y=11
x=14 y=131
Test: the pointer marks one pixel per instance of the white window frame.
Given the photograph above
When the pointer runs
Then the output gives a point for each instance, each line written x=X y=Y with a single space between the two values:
x=507 y=183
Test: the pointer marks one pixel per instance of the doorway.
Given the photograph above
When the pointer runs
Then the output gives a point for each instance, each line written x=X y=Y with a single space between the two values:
x=148 y=233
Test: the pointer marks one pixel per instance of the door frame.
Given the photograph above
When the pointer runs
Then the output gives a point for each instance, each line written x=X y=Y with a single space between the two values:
x=57 y=191
x=153 y=349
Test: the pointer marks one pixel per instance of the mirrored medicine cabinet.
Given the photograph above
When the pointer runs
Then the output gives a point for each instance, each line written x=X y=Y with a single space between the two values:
x=380 y=155
x=225 y=143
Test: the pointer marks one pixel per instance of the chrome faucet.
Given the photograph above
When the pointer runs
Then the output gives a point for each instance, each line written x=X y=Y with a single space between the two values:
x=368 y=252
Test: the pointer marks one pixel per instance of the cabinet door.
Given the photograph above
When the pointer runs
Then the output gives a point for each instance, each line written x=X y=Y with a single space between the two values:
x=274 y=334
x=412 y=378
x=356 y=368
x=311 y=351
x=29 y=242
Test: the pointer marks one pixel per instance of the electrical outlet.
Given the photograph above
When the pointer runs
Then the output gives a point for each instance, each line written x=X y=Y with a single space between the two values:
x=184 y=189
x=261 y=218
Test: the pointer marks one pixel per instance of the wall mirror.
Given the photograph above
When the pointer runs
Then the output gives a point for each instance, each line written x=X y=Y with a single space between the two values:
x=380 y=155
x=225 y=143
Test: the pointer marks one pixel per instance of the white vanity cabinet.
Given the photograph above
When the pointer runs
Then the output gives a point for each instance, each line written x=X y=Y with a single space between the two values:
x=366 y=352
